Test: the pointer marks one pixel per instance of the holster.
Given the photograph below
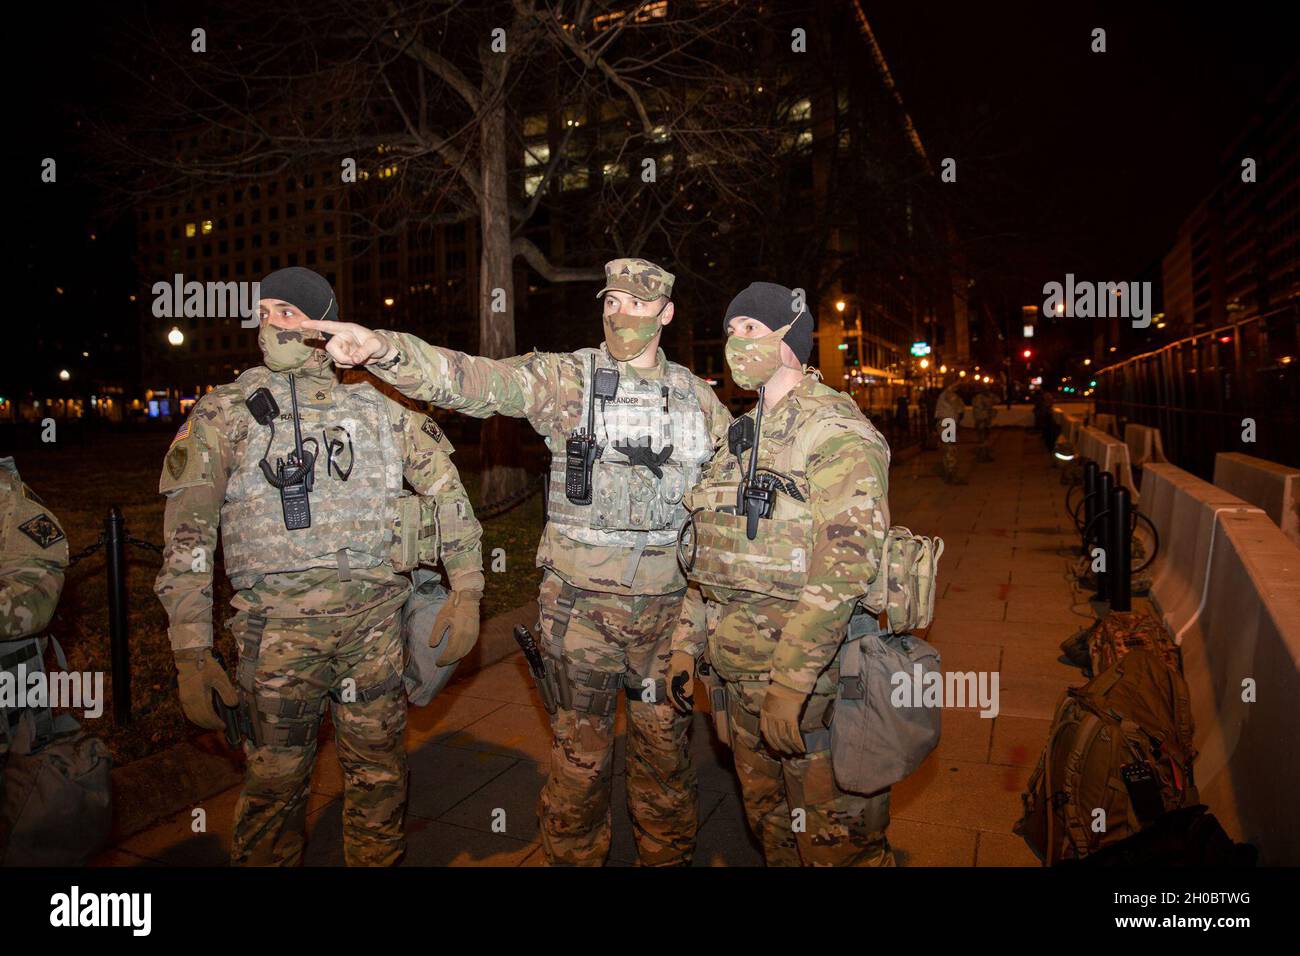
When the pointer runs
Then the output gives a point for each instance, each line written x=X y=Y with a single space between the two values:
x=591 y=691
x=717 y=691
x=585 y=689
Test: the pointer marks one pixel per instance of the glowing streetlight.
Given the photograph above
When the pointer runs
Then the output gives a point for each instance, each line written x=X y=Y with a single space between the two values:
x=389 y=301
x=175 y=336
x=839 y=305
x=1087 y=361
x=64 y=375
x=925 y=363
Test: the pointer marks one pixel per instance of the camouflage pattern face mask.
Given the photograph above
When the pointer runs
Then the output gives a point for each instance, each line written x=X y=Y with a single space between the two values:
x=628 y=335
x=754 y=361
x=285 y=350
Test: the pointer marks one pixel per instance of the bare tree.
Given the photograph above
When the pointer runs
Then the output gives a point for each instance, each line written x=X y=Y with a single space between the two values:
x=651 y=104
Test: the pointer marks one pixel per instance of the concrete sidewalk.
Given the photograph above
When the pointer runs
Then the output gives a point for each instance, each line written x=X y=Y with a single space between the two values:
x=478 y=754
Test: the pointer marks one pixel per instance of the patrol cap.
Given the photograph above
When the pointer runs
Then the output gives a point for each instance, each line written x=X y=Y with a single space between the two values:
x=638 y=277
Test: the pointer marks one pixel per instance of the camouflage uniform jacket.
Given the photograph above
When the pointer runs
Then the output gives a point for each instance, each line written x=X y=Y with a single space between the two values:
x=823 y=450
x=201 y=463
x=33 y=555
x=546 y=388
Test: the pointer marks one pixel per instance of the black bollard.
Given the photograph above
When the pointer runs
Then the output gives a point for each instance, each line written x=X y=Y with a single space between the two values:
x=1090 y=508
x=1101 y=539
x=1121 y=572
x=118 y=632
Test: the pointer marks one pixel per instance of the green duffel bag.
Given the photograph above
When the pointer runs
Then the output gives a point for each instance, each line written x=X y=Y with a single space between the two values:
x=875 y=744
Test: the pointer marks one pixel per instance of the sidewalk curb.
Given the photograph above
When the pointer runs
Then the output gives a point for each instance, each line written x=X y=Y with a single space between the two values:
x=153 y=788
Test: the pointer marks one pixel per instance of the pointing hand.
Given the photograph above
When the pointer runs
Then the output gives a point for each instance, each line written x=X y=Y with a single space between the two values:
x=351 y=344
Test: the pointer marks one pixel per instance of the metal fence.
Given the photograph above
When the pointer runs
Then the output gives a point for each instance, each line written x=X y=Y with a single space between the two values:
x=1205 y=391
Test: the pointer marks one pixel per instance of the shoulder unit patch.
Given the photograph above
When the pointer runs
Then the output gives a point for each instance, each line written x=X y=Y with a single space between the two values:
x=42 y=530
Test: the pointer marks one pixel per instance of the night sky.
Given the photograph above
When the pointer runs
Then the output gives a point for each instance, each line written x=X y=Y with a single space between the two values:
x=1074 y=161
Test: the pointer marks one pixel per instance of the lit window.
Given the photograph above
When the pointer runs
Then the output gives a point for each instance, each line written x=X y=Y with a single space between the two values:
x=191 y=230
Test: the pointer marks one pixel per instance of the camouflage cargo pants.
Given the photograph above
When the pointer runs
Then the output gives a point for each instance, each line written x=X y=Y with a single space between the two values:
x=793 y=804
x=614 y=636
x=297 y=667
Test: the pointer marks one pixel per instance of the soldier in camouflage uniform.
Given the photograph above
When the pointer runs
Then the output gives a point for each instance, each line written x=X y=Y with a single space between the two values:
x=776 y=608
x=948 y=406
x=612 y=589
x=33 y=556
x=318 y=619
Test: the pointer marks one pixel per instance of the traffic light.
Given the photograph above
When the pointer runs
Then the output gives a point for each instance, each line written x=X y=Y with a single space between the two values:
x=1028 y=353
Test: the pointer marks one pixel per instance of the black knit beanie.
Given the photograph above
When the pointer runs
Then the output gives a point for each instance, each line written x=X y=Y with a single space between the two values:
x=772 y=305
x=308 y=290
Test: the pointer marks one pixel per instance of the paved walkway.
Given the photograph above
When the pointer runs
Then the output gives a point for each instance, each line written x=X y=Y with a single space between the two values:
x=1006 y=602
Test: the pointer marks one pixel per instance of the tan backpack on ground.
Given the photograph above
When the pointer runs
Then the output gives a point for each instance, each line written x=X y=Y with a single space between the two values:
x=1118 y=756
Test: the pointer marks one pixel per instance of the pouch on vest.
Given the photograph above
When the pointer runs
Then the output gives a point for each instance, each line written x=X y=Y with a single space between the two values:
x=880 y=730
x=904 y=588
x=423 y=676
x=415 y=533
x=627 y=497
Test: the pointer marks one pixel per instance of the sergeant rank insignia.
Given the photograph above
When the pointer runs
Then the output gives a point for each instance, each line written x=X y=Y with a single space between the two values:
x=42 y=530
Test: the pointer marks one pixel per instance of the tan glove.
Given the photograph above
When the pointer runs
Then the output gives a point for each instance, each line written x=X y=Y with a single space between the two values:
x=199 y=675
x=459 y=615
x=779 y=719
x=681 y=682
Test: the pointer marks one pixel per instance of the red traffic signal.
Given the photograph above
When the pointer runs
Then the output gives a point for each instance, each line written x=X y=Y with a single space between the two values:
x=1028 y=353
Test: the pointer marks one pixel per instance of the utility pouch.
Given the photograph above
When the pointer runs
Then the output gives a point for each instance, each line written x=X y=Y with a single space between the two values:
x=404 y=554
x=905 y=586
x=626 y=497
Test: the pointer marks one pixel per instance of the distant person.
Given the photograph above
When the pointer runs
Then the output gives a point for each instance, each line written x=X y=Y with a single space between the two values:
x=948 y=411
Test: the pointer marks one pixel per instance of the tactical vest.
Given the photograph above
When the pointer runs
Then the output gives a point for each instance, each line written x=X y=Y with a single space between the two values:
x=717 y=553
x=351 y=521
x=630 y=507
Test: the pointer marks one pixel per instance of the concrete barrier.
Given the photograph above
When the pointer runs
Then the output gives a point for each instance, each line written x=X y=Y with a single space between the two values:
x=1227 y=584
x=1106 y=423
x=1109 y=453
x=1015 y=416
x=1144 y=444
x=1265 y=484
x=1061 y=409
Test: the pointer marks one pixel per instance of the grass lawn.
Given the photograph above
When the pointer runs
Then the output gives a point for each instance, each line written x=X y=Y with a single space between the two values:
x=79 y=481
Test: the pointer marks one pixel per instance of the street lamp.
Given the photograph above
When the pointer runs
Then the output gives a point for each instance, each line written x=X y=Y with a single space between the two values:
x=176 y=336
x=64 y=375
